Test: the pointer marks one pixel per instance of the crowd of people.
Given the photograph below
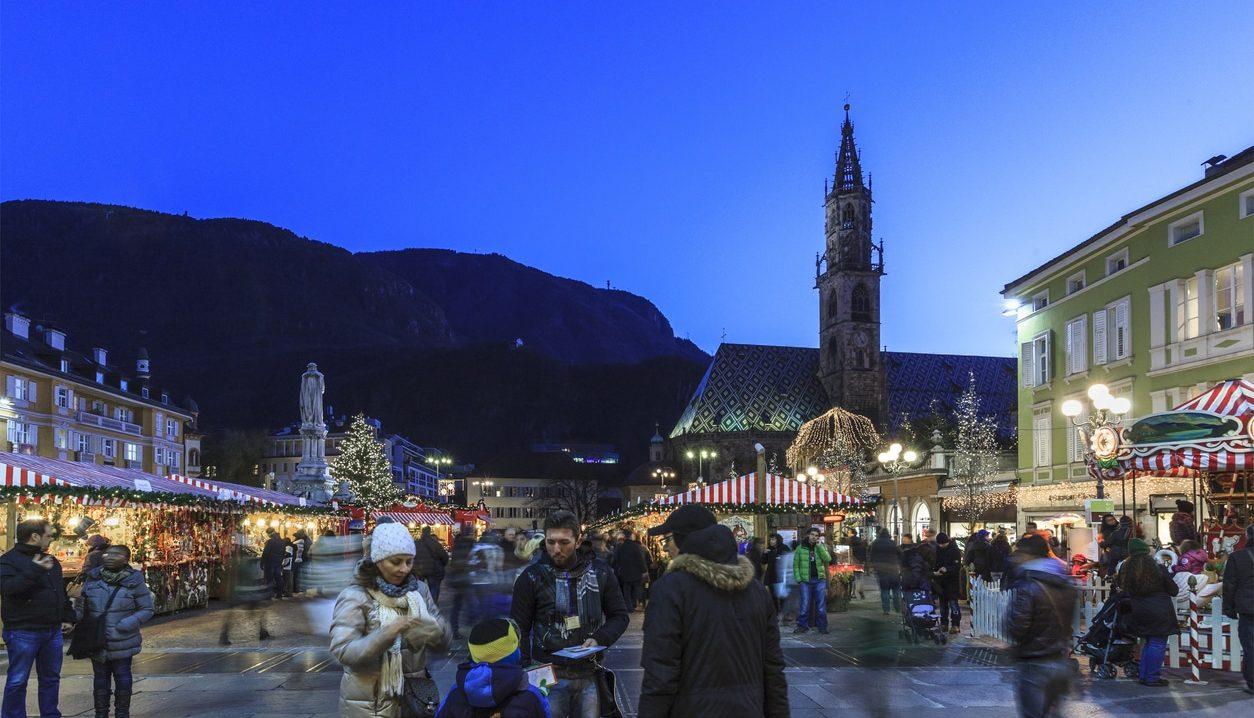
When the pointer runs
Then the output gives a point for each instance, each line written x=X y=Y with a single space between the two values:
x=543 y=607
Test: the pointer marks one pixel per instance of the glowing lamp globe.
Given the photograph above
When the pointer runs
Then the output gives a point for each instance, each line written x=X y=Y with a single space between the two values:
x=910 y=455
x=1120 y=405
x=894 y=449
x=1072 y=408
x=1098 y=391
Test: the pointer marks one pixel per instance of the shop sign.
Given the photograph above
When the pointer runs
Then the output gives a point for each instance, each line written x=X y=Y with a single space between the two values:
x=741 y=526
x=834 y=518
x=143 y=485
x=1095 y=509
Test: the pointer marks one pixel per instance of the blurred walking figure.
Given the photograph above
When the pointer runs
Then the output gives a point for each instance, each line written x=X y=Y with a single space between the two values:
x=632 y=568
x=383 y=626
x=458 y=576
x=1038 y=621
x=885 y=559
x=771 y=573
x=948 y=582
x=490 y=578
x=430 y=558
x=711 y=641
x=330 y=562
x=115 y=595
x=247 y=587
x=300 y=559
x=272 y=556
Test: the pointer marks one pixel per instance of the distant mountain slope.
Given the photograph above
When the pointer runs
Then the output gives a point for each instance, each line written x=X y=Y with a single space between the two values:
x=489 y=297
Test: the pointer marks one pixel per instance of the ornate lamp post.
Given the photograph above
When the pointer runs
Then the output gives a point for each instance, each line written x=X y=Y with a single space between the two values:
x=895 y=460
x=662 y=474
x=1101 y=431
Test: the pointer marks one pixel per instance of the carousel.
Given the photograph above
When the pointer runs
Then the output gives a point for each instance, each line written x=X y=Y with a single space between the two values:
x=1208 y=440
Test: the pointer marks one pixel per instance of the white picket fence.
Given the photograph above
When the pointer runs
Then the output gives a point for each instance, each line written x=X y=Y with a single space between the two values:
x=1217 y=638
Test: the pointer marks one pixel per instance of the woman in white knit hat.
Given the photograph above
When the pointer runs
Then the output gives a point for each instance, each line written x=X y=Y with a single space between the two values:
x=384 y=624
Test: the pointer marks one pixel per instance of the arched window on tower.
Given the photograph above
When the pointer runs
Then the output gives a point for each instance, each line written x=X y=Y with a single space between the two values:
x=833 y=353
x=831 y=306
x=846 y=218
x=861 y=304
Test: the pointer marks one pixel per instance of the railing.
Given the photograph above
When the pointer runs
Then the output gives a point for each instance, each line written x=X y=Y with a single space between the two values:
x=1218 y=642
x=104 y=422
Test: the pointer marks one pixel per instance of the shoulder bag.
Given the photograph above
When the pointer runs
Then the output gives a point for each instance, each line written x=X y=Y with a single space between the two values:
x=88 y=637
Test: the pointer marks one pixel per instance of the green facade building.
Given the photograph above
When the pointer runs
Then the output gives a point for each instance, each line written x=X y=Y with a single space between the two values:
x=1158 y=306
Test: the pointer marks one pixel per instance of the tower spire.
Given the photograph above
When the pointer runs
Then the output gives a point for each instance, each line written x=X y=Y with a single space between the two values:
x=848 y=164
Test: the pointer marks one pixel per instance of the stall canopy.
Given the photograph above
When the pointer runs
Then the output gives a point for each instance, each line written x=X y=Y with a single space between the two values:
x=414 y=517
x=26 y=471
x=779 y=490
x=1212 y=432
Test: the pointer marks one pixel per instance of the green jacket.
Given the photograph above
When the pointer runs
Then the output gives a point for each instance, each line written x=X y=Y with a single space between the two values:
x=801 y=561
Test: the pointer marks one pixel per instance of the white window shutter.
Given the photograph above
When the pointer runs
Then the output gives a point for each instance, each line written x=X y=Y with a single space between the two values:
x=1068 y=348
x=1122 y=338
x=9 y=388
x=1046 y=359
x=1081 y=344
x=1026 y=359
x=32 y=396
x=1099 y=337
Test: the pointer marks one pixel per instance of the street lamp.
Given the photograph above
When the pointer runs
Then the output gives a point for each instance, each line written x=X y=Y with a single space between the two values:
x=1100 y=432
x=663 y=474
x=895 y=460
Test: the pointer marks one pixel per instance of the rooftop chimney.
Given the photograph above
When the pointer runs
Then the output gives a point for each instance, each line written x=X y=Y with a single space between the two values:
x=1213 y=164
x=17 y=324
x=141 y=364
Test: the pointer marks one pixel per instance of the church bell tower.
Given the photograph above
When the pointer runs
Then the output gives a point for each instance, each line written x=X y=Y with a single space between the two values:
x=848 y=279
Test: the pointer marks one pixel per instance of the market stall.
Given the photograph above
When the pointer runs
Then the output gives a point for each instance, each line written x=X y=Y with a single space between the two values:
x=736 y=503
x=1207 y=441
x=181 y=532
x=416 y=517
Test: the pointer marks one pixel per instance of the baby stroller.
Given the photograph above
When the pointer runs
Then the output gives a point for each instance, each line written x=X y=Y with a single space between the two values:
x=920 y=619
x=1106 y=646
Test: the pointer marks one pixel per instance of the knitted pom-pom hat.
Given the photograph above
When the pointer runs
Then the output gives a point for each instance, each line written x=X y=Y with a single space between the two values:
x=390 y=540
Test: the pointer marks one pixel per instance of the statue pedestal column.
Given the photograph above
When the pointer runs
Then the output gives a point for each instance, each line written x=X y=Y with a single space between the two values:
x=313 y=478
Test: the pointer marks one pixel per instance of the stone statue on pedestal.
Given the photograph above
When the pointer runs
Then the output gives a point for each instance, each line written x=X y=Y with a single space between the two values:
x=313 y=479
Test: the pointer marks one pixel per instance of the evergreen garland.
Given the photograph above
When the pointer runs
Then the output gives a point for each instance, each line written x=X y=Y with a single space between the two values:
x=364 y=464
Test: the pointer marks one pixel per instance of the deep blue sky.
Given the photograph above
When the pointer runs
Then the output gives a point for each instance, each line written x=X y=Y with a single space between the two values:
x=677 y=150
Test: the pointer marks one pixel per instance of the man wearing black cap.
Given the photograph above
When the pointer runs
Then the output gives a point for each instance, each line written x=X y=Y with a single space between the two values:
x=711 y=643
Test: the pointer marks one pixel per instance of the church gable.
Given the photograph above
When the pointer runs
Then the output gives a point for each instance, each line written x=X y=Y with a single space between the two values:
x=755 y=388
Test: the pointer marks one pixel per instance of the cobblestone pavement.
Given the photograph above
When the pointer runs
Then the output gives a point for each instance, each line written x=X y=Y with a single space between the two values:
x=861 y=665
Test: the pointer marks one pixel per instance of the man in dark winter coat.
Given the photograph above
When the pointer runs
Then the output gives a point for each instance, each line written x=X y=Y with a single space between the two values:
x=1116 y=545
x=430 y=558
x=1238 y=602
x=948 y=582
x=885 y=559
x=1038 y=621
x=977 y=556
x=711 y=643
x=272 y=556
x=631 y=566
x=35 y=610
x=588 y=611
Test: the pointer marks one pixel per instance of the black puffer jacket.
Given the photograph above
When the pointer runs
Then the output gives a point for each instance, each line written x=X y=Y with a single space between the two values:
x=916 y=574
x=949 y=558
x=978 y=556
x=1041 y=610
x=711 y=641
x=34 y=598
x=885 y=556
x=1239 y=583
x=631 y=561
x=1153 y=610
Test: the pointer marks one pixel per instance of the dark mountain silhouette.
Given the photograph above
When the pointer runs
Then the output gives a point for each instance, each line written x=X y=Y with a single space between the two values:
x=230 y=311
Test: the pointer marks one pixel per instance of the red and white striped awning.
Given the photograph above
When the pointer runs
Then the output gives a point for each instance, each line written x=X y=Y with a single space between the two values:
x=1234 y=398
x=414 y=517
x=27 y=471
x=779 y=490
x=228 y=491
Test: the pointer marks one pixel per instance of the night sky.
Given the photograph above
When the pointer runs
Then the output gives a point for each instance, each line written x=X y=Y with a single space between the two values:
x=677 y=150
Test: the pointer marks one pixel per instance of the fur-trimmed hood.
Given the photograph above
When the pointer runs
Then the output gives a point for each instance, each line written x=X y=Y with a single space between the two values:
x=723 y=576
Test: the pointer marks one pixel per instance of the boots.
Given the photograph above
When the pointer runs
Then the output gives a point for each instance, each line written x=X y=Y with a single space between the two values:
x=101 y=699
x=121 y=704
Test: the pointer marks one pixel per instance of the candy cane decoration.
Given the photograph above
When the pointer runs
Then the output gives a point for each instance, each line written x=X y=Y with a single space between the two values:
x=1195 y=657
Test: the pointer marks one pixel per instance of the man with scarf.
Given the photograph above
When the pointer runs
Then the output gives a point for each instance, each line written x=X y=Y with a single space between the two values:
x=568 y=599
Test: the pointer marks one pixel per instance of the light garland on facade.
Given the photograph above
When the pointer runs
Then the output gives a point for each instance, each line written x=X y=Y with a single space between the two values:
x=981 y=502
x=1074 y=492
x=758 y=509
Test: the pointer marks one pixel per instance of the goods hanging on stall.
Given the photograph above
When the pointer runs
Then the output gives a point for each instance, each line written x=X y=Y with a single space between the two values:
x=1208 y=439
x=181 y=531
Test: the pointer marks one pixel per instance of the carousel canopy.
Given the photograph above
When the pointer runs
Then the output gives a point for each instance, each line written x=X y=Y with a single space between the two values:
x=413 y=516
x=1212 y=432
x=779 y=490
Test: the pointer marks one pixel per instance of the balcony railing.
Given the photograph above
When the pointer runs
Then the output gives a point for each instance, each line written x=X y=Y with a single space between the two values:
x=104 y=422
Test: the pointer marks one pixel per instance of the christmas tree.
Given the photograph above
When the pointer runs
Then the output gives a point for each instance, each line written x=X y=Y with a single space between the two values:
x=364 y=464
x=975 y=462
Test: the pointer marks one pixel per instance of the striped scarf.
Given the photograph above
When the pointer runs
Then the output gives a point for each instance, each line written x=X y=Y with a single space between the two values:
x=389 y=609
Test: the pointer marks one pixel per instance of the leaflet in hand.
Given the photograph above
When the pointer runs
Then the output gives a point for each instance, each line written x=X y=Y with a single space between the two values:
x=576 y=652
